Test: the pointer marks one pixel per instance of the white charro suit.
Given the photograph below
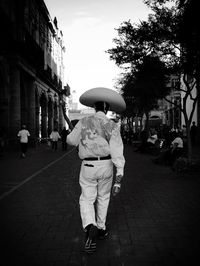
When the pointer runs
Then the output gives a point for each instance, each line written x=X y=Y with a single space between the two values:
x=97 y=137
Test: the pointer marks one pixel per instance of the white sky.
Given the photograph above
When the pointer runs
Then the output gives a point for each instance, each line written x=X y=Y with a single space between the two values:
x=89 y=27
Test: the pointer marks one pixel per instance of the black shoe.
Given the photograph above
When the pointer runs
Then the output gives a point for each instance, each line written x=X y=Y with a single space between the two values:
x=102 y=234
x=90 y=240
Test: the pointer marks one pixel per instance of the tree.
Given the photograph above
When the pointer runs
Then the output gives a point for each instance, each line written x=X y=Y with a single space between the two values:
x=148 y=85
x=161 y=34
x=177 y=28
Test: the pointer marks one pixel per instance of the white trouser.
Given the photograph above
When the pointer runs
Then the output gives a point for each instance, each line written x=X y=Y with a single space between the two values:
x=96 y=182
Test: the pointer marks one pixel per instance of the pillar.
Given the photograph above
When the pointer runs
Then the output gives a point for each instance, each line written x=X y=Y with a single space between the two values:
x=37 y=115
x=14 y=104
x=50 y=116
x=44 y=116
x=4 y=108
x=55 y=122
x=31 y=110
x=61 y=118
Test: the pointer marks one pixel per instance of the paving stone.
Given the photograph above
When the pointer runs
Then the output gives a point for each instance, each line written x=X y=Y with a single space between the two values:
x=154 y=221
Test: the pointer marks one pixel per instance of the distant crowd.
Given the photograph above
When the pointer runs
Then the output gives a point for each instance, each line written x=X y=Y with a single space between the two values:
x=161 y=132
x=23 y=136
x=156 y=137
x=169 y=143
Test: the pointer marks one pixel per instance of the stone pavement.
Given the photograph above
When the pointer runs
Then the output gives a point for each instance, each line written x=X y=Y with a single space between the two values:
x=15 y=169
x=153 y=221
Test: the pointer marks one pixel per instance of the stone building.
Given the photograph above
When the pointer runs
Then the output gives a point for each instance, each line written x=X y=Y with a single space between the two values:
x=31 y=69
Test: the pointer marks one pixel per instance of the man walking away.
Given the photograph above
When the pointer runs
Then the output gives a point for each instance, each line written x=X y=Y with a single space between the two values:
x=64 y=134
x=99 y=146
x=55 y=136
x=23 y=135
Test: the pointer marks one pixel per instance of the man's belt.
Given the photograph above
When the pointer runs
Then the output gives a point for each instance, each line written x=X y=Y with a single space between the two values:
x=97 y=158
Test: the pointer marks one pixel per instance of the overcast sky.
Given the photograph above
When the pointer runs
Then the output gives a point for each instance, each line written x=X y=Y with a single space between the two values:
x=89 y=27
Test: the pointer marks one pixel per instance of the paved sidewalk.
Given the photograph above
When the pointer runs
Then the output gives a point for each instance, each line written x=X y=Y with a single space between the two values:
x=154 y=221
x=15 y=169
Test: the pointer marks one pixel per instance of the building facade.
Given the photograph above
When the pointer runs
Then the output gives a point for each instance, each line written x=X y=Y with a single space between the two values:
x=31 y=69
x=172 y=113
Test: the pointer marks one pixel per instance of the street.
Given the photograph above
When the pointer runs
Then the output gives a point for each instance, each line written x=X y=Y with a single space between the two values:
x=153 y=221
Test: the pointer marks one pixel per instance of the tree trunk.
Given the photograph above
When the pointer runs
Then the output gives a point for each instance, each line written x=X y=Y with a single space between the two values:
x=189 y=144
x=188 y=118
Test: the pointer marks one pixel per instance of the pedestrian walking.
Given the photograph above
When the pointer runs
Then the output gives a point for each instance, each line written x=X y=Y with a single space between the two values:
x=100 y=147
x=193 y=133
x=64 y=134
x=54 y=136
x=23 y=135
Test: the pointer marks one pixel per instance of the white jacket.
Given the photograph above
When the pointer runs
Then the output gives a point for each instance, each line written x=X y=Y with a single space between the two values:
x=55 y=136
x=97 y=135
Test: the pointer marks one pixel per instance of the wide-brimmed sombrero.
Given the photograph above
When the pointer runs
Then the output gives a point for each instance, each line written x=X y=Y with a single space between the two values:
x=114 y=99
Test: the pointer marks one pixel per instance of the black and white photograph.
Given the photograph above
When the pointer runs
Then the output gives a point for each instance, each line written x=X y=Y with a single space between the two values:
x=99 y=133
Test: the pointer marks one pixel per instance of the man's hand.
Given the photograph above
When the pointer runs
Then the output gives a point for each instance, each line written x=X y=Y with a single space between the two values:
x=117 y=185
x=116 y=189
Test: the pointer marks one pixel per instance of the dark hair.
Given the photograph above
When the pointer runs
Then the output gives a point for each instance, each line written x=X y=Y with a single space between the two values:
x=101 y=106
